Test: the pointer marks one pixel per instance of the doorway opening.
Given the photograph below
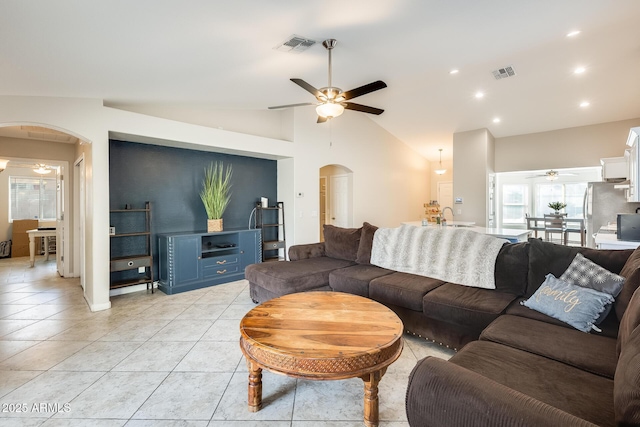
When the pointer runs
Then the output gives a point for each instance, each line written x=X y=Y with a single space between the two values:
x=336 y=197
x=51 y=151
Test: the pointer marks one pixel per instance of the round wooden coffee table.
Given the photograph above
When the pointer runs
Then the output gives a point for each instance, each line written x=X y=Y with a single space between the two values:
x=321 y=336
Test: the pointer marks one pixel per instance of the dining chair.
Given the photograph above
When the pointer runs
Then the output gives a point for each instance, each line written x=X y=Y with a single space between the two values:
x=555 y=224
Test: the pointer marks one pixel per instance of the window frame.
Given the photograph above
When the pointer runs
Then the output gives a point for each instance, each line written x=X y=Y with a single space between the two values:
x=42 y=188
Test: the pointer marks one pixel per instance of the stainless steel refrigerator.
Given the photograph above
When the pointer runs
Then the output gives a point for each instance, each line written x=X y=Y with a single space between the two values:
x=602 y=204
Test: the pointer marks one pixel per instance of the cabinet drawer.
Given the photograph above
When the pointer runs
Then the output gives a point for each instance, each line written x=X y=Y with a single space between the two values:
x=273 y=244
x=130 y=263
x=222 y=270
x=220 y=261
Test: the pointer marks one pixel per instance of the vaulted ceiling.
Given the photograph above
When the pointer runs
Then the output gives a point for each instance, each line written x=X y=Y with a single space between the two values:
x=220 y=55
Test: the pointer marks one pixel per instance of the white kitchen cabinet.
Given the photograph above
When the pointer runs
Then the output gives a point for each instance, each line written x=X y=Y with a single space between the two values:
x=633 y=162
x=614 y=168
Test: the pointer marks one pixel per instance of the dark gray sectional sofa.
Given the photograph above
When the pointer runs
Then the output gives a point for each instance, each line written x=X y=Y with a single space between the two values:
x=514 y=366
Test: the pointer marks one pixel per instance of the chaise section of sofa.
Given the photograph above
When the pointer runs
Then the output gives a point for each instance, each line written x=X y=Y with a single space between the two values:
x=309 y=267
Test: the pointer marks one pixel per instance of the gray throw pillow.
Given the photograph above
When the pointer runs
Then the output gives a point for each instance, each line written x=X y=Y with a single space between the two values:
x=575 y=305
x=584 y=272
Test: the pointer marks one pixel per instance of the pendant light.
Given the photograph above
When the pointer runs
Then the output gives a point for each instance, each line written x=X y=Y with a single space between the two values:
x=440 y=171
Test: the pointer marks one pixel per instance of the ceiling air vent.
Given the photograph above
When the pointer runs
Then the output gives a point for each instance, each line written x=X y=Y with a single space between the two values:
x=503 y=73
x=295 y=44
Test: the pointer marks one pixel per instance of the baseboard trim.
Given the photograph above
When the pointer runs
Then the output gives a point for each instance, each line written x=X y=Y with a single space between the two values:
x=98 y=307
x=131 y=289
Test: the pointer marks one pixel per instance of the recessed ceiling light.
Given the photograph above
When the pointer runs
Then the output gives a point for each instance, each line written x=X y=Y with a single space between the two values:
x=479 y=95
x=454 y=71
x=496 y=120
x=579 y=70
x=584 y=104
x=573 y=33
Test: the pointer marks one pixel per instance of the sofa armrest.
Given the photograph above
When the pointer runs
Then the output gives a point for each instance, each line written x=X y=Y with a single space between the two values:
x=311 y=250
x=441 y=393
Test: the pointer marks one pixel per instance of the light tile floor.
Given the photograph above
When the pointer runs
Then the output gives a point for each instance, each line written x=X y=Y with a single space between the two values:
x=157 y=360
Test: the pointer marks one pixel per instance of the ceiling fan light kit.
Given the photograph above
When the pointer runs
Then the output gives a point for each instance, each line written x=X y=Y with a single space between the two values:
x=42 y=169
x=329 y=110
x=332 y=101
x=3 y=164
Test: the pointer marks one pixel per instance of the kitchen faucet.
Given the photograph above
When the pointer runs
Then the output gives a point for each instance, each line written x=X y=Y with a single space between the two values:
x=445 y=208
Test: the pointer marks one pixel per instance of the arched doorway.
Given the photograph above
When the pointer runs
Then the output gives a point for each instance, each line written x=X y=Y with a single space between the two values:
x=56 y=149
x=336 y=197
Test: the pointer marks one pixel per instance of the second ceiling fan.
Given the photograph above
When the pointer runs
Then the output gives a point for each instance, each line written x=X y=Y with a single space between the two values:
x=332 y=100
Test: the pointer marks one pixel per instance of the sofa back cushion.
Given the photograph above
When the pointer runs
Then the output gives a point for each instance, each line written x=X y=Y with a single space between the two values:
x=631 y=274
x=341 y=243
x=546 y=257
x=630 y=321
x=626 y=383
x=512 y=268
x=366 y=243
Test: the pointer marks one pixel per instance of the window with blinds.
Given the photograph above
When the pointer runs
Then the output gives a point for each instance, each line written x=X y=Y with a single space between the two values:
x=32 y=198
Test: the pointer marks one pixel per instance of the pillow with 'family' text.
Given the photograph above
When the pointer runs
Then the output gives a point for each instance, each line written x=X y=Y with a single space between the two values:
x=577 y=306
x=584 y=272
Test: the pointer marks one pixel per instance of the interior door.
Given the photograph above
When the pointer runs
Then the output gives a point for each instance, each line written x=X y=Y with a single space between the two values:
x=60 y=232
x=79 y=220
x=323 y=205
x=339 y=207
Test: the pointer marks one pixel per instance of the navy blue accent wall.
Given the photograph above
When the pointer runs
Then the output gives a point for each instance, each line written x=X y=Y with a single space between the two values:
x=171 y=179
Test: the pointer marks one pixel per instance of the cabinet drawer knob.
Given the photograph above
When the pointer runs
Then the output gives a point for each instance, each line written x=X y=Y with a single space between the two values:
x=221 y=262
x=221 y=271
x=130 y=263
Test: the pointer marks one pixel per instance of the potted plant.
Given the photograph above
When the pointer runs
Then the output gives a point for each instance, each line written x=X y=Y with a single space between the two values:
x=557 y=206
x=216 y=193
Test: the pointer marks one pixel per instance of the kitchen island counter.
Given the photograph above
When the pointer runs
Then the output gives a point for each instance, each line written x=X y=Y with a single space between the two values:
x=514 y=235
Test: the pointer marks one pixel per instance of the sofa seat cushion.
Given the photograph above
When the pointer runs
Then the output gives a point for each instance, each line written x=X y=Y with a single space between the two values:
x=590 y=352
x=355 y=279
x=465 y=306
x=609 y=325
x=402 y=289
x=282 y=278
x=569 y=389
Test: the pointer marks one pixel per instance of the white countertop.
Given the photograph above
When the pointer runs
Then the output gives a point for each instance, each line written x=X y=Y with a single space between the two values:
x=610 y=241
x=504 y=233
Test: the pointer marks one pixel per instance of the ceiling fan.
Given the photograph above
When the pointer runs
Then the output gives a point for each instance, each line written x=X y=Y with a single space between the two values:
x=332 y=100
x=552 y=175
x=41 y=168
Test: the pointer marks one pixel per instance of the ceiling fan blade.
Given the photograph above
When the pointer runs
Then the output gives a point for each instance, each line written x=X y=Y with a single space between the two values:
x=362 y=108
x=363 y=90
x=291 y=105
x=312 y=90
x=321 y=119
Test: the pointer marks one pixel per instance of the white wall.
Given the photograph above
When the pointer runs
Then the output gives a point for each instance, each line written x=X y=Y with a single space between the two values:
x=390 y=180
x=564 y=148
x=473 y=162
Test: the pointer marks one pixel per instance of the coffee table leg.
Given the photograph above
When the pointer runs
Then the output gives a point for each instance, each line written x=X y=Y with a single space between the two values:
x=371 y=415
x=255 y=387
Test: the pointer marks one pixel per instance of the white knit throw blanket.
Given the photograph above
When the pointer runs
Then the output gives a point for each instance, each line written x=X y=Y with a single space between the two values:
x=454 y=255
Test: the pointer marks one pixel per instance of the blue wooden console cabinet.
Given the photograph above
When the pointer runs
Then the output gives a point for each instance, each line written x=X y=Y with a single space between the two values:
x=191 y=260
